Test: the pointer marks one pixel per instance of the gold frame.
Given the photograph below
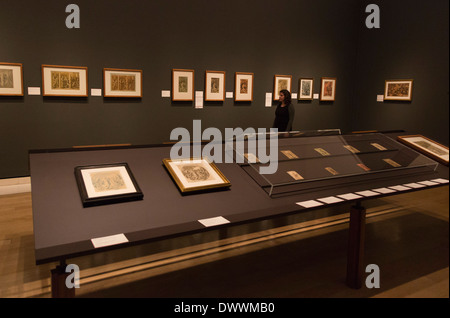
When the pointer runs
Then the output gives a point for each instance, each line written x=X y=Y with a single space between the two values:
x=183 y=189
x=428 y=153
x=322 y=97
x=21 y=78
x=300 y=88
x=407 y=99
x=236 y=87
x=137 y=95
x=207 y=98
x=76 y=68
x=191 y=98
x=275 y=92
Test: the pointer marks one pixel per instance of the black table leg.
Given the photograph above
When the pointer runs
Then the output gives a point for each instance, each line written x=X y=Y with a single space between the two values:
x=59 y=288
x=355 y=256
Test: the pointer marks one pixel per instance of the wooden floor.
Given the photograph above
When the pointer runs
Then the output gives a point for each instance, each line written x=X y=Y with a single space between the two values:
x=298 y=256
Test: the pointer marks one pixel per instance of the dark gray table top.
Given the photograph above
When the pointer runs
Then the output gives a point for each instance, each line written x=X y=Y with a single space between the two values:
x=64 y=229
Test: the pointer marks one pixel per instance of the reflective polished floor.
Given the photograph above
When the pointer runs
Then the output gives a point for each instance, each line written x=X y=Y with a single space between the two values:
x=296 y=256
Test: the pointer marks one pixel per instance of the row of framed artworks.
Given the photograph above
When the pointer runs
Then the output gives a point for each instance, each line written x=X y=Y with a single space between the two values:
x=305 y=89
x=113 y=183
x=183 y=86
x=72 y=81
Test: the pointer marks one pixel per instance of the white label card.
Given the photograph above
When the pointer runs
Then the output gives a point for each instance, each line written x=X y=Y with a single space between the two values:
x=309 y=204
x=440 y=180
x=165 y=93
x=214 y=221
x=229 y=94
x=199 y=99
x=109 y=240
x=367 y=193
x=330 y=200
x=34 y=91
x=96 y=92
x=384 y=190
x=294 y=95
x=380 y=98
x=268 y=99
x=414 y=185
x=316 y=96
x=350 y=196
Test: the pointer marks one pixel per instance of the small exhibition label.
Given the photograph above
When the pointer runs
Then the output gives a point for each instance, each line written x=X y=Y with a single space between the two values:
x=109 y=240
x=34 y=91
x=309 y=204
x=214 y=221
x=350 y=196
x=330 y=200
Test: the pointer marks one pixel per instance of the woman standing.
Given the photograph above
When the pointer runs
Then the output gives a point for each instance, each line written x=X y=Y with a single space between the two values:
x=284 y=114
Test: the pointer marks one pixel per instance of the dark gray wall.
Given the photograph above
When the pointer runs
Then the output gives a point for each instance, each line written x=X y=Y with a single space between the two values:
x=297 y=37
x=412 y=43
x=302 y=38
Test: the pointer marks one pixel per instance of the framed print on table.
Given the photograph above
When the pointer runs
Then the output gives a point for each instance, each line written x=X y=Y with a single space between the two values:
x=328 y=89
x=281 y=82
x=398 y=90
x=106 y=184
x=11 y=79
x=122 y=82
x=193 y=174
x=214 y=86
x=71 y=81
x=426 y=146
x=305 y=91
x=182 y=85
x=243 y=91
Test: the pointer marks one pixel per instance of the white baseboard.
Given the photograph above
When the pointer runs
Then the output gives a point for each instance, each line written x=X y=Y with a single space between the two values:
x=15 y=185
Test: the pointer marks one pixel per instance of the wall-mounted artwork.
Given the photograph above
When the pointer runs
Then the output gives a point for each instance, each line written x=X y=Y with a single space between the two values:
x=182 y=85
x=328 y=89
x=214 y=86
x=398 y=90
x=122 y=82
x=281 y=82
x=243 y=91
x=71 y=81
x=305 y=91
x=11 y=79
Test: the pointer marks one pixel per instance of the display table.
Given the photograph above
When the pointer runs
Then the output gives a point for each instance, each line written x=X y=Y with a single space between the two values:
x=64 y=229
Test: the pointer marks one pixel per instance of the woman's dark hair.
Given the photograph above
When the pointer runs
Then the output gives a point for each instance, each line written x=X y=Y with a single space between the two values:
x=287 y=96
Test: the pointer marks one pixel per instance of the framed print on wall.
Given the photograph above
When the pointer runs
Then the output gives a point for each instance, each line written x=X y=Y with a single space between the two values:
x=122 y=82
x=328 y=89
x=214 y=86
x=427 y=146
x=11 y=79
x=243 y=91
x=305 y=90
x=182 y=85
x=398 y=90
x=193 y=174
x=281 y=82
x=71 y=81
x=106 y=184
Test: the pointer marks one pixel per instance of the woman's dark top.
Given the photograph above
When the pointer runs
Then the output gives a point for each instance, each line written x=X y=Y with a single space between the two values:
x=284 y=116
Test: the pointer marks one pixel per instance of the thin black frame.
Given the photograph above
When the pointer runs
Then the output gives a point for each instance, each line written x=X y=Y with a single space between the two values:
x=107 y=199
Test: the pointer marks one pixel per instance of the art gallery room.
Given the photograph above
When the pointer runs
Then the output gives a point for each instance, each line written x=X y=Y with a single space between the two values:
x=138 y=159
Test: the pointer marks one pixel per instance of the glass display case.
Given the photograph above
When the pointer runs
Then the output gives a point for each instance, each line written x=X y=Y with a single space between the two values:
x=305 y=163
